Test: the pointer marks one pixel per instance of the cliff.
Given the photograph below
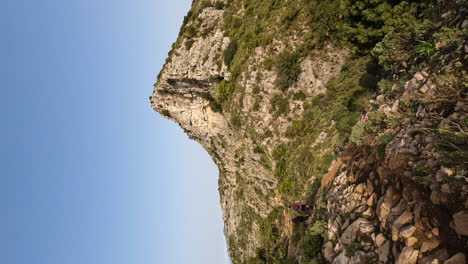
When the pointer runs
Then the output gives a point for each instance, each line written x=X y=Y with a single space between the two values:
x=362 y=116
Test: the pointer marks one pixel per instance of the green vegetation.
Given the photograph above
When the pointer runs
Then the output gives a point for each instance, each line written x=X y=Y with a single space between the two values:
x=189 y=43
x=287 y=69
x=230 y=52
x=279 y=105
x=425 y=48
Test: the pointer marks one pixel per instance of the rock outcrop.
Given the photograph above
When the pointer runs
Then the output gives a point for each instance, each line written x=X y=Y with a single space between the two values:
x=393 y=190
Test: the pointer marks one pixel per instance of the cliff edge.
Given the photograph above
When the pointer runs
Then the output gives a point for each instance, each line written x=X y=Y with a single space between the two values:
x=357 y=108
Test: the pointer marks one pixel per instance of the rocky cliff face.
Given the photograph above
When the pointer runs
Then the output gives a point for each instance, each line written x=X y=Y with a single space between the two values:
x=377 y=144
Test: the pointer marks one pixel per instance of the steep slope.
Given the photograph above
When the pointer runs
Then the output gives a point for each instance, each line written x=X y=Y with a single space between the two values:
x=280 y=94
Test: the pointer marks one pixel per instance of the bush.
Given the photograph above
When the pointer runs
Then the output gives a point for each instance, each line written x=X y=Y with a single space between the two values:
x=219 y=5
x=279 y=105
x=224 y=90
x=288 y=70
x=190 y=32
x=258 y=150
x=230 y=52
x=189 y=43
x=450 y=36
x=312 y=245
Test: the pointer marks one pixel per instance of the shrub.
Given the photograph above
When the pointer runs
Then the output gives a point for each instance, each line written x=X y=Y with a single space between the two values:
x=224 y=90
x=258 y=150
x=286 y=186
x=312 y=245
x=288 y=70
x=279 y=105
x=171 y=82
x=189 y=43
x=230 y=52
x=219 y=5
x=190 y=32
x=450 y=36
x=299 y=96
x=217 y=78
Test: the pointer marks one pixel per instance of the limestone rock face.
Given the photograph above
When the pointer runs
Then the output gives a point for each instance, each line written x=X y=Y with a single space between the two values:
x=185 y=92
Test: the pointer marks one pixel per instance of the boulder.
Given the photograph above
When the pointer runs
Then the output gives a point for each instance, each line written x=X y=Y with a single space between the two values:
x=438 y=256
x=460 y=221
x=408 y=255
x=403 y=219
x=407 y=232
x=459 y=258
x=411 y=241
x=384 y=251
x=328 y=251
x=379 y=240
x=429 y=245
x=418 y=76
x=341 y=259
x=355 y=230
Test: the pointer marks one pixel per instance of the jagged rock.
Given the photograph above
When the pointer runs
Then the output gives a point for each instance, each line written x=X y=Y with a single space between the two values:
x=438 y=255
x=333 y=229
x=424 y=88
x=418 y=76
x=446 y=188
x=372 y=199
x=458 y=258
x=460 y=221
x=369 y=212
x=384 y=251
x=411 y=241
x=328 y=251
x=407 y=232
x=429 y=245
x=408 y=255
x=358 y=258
x=341 y=259
x=410 y=85
x=385 y=208
x=358 y=227
x=403 y=219
x=359 y=189
x=380 y=99
x=337 y=248
x=435 y=231
x=379 y=240
x=437 y=197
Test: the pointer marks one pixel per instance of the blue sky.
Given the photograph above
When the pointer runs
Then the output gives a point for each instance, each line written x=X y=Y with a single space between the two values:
x=90 y=173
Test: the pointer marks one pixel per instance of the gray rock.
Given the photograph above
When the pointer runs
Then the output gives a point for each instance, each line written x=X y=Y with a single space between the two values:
x=418 y=76
x=380 y=99
x=384 y=251
x=458 y=258
x=408 y=255
x=429 y=245
x=355 y=230
x=407 y=232
x=328 y=251
x=379 y=240
x=460 y=221
x=411 y=241
x=424 y=88
x=438 y=255
x=465 y=24
x=341 y=259
x=403 y=219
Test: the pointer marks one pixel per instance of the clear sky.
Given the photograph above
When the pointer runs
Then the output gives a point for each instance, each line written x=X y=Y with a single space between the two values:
x=90 y=173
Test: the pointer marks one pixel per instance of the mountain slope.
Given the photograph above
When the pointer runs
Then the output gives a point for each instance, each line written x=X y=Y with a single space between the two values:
x=349 y=105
